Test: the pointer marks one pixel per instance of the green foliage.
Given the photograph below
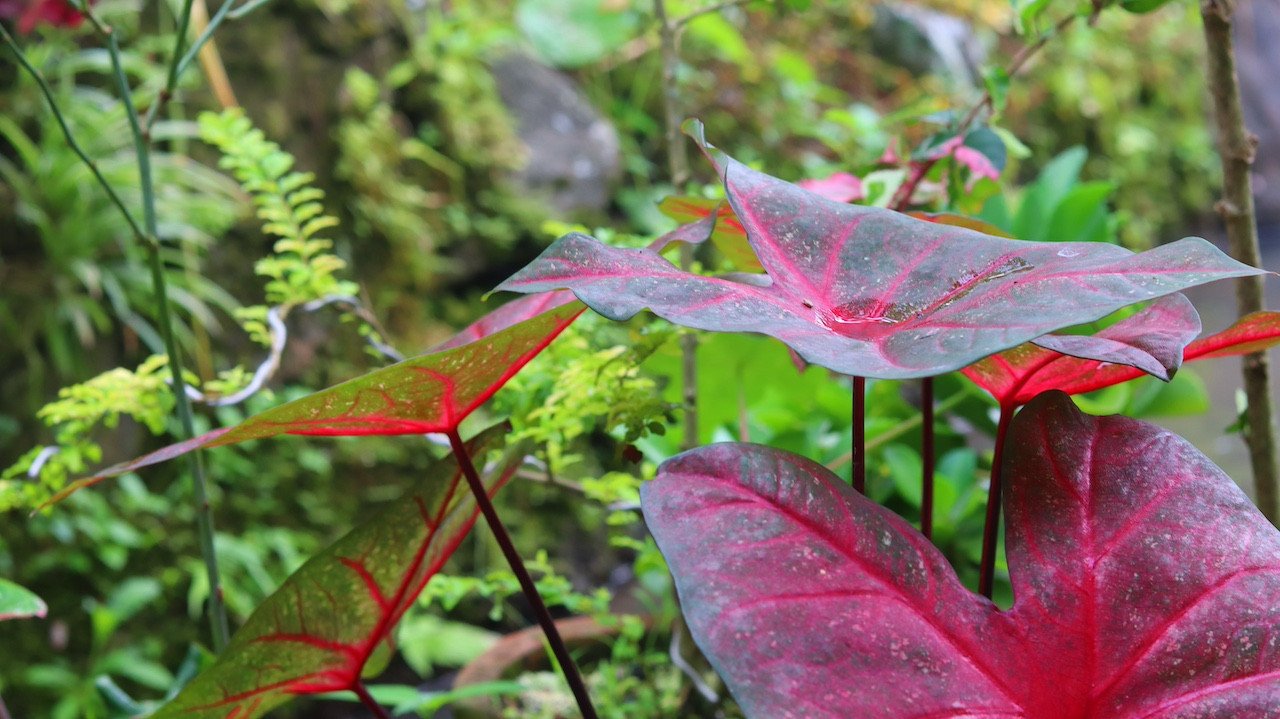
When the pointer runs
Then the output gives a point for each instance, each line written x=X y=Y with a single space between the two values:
x=302 y=268
x=141 y=394
x=74 y=277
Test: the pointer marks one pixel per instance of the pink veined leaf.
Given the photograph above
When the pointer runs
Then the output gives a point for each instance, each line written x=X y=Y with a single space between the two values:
x=1144 y=584
x=430 y=393
x=320 y=631
x=527 y=307
x=871 y=292
x=838 y=187
x=1016 y=376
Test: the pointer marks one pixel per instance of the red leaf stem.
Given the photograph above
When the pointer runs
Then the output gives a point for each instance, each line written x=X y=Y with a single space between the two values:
x=859 y=430
x=991 y=527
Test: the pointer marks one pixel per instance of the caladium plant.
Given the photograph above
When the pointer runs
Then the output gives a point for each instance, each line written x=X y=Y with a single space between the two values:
x=1144 y=584
x=323 y=629
x=871 y=292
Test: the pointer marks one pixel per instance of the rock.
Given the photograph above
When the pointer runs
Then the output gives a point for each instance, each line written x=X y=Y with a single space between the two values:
x=927 y=41
x=573 y=151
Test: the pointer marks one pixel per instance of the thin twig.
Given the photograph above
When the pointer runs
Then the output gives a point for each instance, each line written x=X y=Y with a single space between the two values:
x=1236 y=147
x=171 y=83
x=680 y=23
x=204 y=513
x=920 y=169
x=70 y=137
x=678 y=168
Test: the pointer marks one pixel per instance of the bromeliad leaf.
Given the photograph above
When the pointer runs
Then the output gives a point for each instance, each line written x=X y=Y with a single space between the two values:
x=431 y=393
x=871 y=292
x=1016 y=376
x=1144 y=584
x=320 y=630
x=17 y=602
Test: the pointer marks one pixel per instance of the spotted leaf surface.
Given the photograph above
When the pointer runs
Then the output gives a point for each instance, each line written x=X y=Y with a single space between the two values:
x=1144 y=584
x=319 y=631
x=871 y=292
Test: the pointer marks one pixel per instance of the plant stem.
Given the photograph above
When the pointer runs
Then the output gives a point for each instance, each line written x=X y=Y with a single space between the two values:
x=204 y=514
x=991 y=528
x=369 y=702
x=71 y=139
x=171 y=83
x=919 y=170
x=678 y=168
x=1237 y=146
x=540 y=611
x=926 y=457
x=859 y=434
x=900 y=429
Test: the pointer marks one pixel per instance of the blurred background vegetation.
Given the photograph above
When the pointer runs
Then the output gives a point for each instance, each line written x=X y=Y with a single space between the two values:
x=452 y=141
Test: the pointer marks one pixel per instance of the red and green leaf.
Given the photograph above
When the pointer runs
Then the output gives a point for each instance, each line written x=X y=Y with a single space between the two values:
x=17 y=602
x=321 y=630
x=871 y=292
x=729 y=237
x=1144 y=584
x=431 y=393
x=1016 y=376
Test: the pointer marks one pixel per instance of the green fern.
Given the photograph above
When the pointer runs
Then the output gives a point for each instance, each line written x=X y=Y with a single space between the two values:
x=301 y=269
x=140 y=394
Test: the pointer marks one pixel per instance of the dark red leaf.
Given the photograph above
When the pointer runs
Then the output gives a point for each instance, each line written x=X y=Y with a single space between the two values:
x=430 y=393
x=1016 y=376
x=319 y=631
x=871 y=292
x=1144 y=583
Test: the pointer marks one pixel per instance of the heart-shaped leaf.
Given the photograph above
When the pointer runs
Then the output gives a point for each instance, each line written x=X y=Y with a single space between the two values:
x=1016 y=376
x=18 y=602
x=431 y=393
x=871 y=292
x=320 y=631
x=1144 y=582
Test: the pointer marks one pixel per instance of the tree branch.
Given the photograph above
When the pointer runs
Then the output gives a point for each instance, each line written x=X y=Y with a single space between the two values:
x=1236 y=147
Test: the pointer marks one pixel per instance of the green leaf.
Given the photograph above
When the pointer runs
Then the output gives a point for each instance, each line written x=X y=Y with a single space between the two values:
x=19 y=603
x=318 y=631
x=1142 y=6
x=573 y=33
x=989 y=144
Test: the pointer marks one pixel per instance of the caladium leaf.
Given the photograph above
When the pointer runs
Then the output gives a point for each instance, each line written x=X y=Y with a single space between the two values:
x=17 y=602
x=1016 y=376
x=1144 y=584
x=322 y=628
x=525 y=308
x=430 y=393
x=871 y=292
